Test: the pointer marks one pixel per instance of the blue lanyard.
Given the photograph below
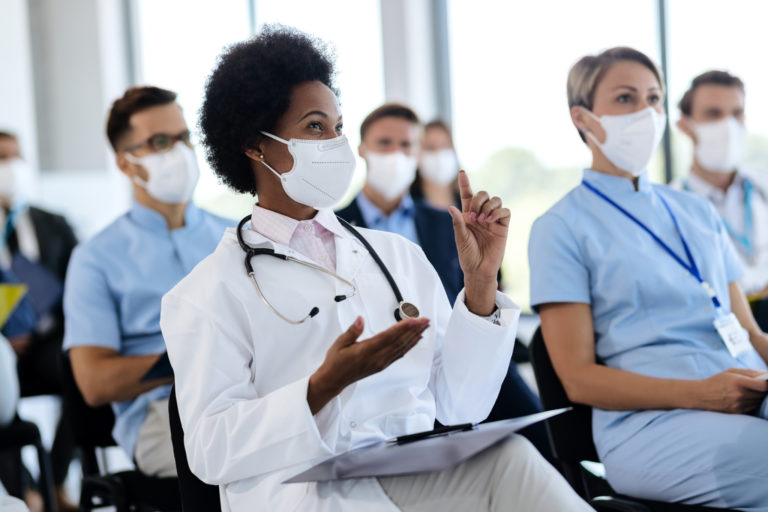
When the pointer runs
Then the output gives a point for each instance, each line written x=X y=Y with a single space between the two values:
x=690 y=266
x=10 y=224
x=744 y=238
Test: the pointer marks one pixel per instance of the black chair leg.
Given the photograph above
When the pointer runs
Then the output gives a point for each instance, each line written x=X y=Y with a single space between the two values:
x=46 y=477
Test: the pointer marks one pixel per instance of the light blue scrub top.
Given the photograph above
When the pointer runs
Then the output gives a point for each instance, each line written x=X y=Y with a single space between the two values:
x=401 y=221
x=114 y=286
x=651 y=315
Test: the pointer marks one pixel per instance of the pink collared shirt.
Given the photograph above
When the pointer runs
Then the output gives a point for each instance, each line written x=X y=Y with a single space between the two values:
x=313 y=238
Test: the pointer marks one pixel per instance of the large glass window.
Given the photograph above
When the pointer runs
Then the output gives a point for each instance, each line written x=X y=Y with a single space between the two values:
x=178 y=42
x=705 y=36
x=513 y=132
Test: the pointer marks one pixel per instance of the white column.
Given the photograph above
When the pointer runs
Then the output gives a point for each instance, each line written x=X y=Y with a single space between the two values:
x=409 y=55
x=17 y=99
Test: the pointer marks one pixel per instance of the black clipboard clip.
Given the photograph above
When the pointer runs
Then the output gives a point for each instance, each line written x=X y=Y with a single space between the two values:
x=439 y=431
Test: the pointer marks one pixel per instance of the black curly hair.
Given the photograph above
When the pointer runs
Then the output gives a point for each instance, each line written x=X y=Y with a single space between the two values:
x=250 y=89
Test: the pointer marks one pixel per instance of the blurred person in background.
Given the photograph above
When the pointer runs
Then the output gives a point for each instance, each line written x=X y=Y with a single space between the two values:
x=36 y=247
x=390 y=145
x=436 y=181
x=713 y=117
x=117 y=278
x=14 y=476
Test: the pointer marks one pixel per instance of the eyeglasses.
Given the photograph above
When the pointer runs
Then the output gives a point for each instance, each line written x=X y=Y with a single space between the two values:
x=160 y=142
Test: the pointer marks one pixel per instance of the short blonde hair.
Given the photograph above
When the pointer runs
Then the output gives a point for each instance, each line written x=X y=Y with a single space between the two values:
x=586 y=74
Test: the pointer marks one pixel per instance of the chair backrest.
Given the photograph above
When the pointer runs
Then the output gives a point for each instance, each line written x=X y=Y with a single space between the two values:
x=571 y=433
x=196 y=496
x=92 y=426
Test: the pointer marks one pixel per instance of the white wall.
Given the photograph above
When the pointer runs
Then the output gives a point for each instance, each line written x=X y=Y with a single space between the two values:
x=17 y=109
x=408 y=45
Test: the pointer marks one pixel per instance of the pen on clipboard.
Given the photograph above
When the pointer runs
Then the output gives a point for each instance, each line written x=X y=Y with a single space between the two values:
x=431 y=433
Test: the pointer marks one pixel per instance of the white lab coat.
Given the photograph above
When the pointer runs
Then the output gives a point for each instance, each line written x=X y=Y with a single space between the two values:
x=242 y=372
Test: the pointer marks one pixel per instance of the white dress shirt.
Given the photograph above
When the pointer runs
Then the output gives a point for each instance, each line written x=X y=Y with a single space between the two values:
x=731 y=205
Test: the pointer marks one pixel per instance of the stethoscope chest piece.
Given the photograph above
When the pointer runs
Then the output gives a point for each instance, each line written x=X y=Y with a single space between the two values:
x=406 y=310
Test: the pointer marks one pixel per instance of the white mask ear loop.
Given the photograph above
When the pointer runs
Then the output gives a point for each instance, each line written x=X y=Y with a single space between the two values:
x=278 y=139
x=136 y=178
x=587 y=132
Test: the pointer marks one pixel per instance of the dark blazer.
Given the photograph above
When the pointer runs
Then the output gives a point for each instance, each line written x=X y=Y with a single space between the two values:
x=434 y=229
x=55 y=239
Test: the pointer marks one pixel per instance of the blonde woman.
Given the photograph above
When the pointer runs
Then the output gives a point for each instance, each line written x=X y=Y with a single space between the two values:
x=634 y=283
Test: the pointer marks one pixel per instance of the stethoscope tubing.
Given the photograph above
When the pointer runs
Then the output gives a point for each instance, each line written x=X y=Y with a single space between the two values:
x=251 y=252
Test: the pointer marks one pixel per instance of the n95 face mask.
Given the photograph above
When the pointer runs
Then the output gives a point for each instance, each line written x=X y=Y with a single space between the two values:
x=720 y=145
x=440 y=166
x=173 y=174
x=321 y=173
x=16 y=180
x=390 y=174
x=630 y=139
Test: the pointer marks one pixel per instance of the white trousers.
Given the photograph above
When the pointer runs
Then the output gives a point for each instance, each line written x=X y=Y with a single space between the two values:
x=154 y=450
x=510 y=476
x=9 y=504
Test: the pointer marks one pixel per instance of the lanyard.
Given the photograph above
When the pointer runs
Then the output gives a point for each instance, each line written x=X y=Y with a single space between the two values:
x=690 y=266
x=10 y=223
x=744 y=238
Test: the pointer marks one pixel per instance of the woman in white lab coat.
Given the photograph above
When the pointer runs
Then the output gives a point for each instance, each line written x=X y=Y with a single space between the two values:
x=266 y=390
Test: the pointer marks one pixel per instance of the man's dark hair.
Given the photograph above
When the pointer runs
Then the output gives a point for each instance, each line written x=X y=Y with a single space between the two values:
x=388 y=110
x=8 y=135
x=134 y=100
x=715 y=77
x=248 y=92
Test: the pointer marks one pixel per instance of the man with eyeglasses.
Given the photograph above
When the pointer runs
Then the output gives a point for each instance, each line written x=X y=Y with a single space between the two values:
x=116 y=280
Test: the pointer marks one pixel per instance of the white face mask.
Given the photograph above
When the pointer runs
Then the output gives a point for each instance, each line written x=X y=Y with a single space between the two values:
x=390 y=174
x=321 y=173
x=631 y=139
x=720 y=144
x=173 y=174
x=16 y=180
x=440 y=166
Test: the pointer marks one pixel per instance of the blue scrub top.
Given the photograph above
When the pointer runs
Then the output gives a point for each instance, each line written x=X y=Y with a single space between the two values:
x=114 y=286
x=651 y=315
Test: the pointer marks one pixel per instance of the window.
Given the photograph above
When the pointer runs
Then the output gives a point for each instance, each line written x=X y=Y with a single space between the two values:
x=178 y=42
x=509 y=64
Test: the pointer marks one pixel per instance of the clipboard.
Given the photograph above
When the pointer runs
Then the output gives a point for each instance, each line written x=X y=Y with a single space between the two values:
x=162 y=369
x=429 y=454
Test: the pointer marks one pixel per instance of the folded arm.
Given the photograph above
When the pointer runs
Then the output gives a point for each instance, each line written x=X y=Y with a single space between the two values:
x=104 y=376
x=569 y=337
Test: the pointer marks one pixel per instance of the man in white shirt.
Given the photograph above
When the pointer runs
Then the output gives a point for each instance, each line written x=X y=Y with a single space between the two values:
x=713 y=117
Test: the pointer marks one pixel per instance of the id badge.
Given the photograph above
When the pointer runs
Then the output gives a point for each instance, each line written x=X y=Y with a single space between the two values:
x=734 y=336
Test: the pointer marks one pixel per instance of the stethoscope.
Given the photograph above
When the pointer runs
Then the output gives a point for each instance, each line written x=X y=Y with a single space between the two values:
x=404 y=309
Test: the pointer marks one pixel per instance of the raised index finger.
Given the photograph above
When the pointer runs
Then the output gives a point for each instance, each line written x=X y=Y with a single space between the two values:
x=465 y=191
